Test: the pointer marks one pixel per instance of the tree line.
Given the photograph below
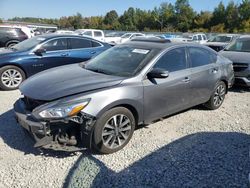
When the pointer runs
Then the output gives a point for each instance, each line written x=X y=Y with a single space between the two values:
x=177 y=17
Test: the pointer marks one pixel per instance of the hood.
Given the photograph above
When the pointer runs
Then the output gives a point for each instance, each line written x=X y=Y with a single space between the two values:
x=216 y=44
x=8 y=52
x=239 y=57
x=64 y=81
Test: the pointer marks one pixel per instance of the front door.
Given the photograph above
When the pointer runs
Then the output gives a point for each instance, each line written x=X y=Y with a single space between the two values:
x=169 y=95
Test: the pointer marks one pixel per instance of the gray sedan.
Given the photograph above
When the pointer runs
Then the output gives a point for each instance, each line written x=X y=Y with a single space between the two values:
x=98 y=104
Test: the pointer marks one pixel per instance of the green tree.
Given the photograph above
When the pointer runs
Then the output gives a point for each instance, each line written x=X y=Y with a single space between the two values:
x=244 y=10
x=202 y=20
x=1 y=20
x=219 y=15
x=232 y=17
x=184 y=15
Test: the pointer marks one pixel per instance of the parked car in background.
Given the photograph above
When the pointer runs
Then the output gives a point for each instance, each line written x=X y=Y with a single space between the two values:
x=219 y=42
x=99 y=104
x=113 y=38
x=197 y=37
x=239 y=52
x=10 y=36
x=128 y=36
x=43 y=52
x=29 y=32
x=64 y=32
x=94 y=33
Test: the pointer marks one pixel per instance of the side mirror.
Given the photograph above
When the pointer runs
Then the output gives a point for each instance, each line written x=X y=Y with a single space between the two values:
x=40 y=51
x=158 y=73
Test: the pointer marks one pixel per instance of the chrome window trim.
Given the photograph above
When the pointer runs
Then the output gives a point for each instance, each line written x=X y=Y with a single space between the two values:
x=39 y=45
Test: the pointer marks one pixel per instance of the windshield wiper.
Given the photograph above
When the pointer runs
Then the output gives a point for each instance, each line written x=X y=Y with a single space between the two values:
x=98 y=71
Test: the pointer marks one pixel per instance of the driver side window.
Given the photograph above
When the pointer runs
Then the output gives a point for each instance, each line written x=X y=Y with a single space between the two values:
x=55 y=45
x=173 y=60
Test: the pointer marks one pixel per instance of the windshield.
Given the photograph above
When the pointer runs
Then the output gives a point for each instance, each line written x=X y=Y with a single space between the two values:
x=126 y=36
x=122 y=61
x=239 y=45
x=220 y=39
x=28 y=44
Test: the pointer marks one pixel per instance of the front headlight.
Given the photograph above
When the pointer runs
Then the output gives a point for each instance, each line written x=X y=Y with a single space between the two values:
x=63 y=111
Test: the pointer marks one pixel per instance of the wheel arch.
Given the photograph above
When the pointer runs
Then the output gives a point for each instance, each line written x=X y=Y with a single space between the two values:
x=11 y=41
x=223 y=79
x=131 y=105
x=16 y=65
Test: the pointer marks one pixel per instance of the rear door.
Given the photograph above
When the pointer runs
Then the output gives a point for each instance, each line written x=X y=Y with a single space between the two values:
x=205 y=73
x=83 y=49
x=171 y=94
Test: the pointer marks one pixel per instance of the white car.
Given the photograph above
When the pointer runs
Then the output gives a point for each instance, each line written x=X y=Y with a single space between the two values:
x=128 y=36
x=64 y=32
x=94 y=33
x=200 y=38
x=113 y=38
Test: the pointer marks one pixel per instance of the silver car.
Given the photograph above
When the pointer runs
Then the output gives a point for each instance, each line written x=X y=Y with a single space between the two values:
x=99 y=104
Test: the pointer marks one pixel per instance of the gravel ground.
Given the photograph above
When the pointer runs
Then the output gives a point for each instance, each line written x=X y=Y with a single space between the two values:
x=195 y=148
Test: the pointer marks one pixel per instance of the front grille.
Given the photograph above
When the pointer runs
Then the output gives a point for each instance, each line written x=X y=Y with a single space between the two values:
x=31 y=104
x=238 y=67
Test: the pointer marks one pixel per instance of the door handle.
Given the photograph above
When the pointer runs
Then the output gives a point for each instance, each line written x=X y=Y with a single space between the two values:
x=186 y=80
x=215 y=70
x=93 y=52
x=64 y=54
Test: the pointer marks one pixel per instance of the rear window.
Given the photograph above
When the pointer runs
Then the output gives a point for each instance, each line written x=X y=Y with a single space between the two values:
x=201 y=56
x=76 y=43
x=97 y=34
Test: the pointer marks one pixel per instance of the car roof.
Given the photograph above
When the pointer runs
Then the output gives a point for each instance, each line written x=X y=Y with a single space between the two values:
x=244 y=37
x=158 y=43
x=55 y=35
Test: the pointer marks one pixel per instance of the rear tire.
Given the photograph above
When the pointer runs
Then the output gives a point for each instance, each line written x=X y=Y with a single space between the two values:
x=113 y=130
x=217 y=97
x=11 y=77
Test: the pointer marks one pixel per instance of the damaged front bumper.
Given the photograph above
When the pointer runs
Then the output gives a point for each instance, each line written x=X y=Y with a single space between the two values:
x=47 y=134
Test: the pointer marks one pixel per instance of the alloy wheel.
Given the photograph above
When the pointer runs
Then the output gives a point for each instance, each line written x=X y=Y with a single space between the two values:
x=219 y=95
x=11 y=78
x=116 y=131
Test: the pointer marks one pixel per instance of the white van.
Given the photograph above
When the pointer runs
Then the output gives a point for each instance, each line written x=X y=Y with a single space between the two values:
x=94 y=33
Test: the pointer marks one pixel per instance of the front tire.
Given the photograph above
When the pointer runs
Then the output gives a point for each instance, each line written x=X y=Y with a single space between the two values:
x=113 y=130
x=217 y=97
x=11 y=77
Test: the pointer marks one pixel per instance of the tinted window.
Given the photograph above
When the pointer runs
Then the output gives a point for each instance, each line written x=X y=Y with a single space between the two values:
x=95 y=44
x=200 y=56
x=173 y=60
x=76 y=43
x=242 y=45
x=97 y=34
x=204 y=37
x=195 y=38
x=199 y=37
x=56 y=44
x=89 y=33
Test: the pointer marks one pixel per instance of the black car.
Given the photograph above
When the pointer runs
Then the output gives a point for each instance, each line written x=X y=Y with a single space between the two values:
x=239 y=52
x=100 y=103
x=10 y=36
